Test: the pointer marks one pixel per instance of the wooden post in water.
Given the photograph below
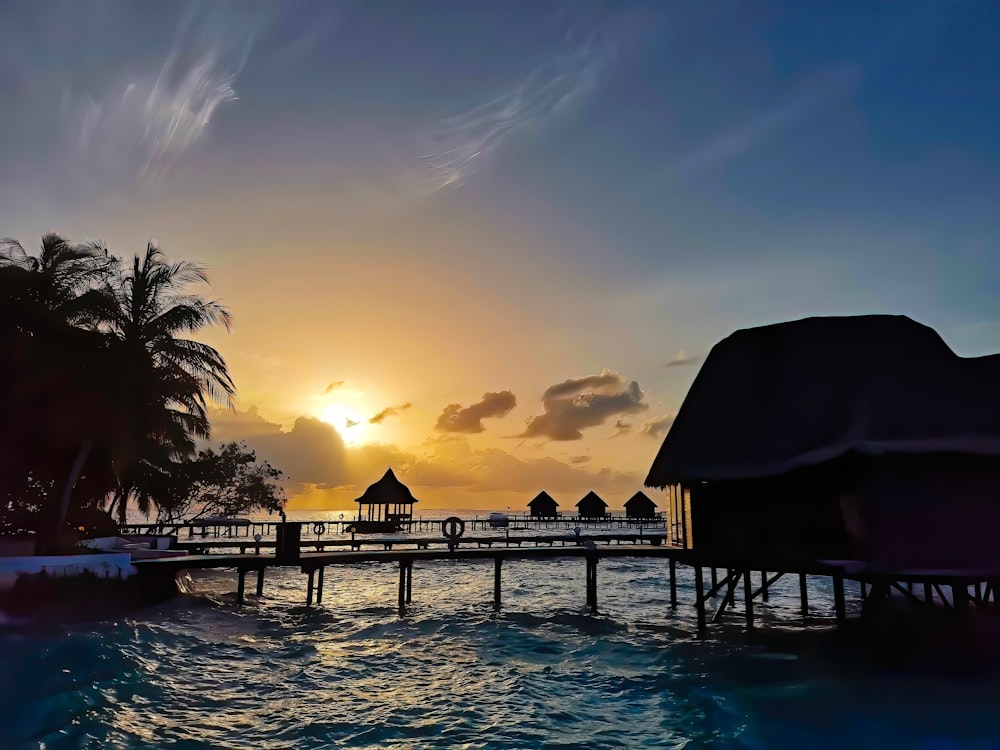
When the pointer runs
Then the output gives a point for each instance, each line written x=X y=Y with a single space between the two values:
x=763 y=585
x=673 y=582
x=748 y=596
x=260 y=582
x=319 y=585
x=592 y=583
x=309 y=589
x=497 y=564
x=241 y=575
x=838 y=597
x=699 y=601
x=405 y=585
x=804 y=595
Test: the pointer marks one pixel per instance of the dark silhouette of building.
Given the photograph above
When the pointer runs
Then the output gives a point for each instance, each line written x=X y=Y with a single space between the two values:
x=843 y=437
x=592 y=506
x=640 y=506
x=384 y=506
x=543 y=506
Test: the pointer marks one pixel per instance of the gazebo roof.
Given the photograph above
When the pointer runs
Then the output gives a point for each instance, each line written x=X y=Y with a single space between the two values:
x=639 y=497
x=591 y=497
x=388 y=489
x=543 y=497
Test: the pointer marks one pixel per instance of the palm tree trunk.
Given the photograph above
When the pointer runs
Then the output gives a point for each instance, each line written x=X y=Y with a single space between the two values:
x=74 y=474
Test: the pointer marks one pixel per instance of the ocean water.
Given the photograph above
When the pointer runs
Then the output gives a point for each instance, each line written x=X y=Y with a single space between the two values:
x=200 y=672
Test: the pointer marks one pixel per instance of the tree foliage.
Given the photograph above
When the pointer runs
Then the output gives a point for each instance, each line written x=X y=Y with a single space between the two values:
x=228 y=482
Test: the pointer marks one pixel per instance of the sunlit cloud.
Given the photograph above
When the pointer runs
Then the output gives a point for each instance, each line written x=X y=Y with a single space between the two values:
x=578 y=403
x=469 y=419
x=334 y=385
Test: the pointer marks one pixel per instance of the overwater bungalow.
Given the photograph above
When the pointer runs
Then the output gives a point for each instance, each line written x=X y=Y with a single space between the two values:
x=840 y=438
x=640 y=506
x=543 y=506
x=592 y=505
x=385 y=506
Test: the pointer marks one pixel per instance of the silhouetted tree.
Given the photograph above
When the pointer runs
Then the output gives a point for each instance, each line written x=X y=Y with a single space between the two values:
x=229 y=482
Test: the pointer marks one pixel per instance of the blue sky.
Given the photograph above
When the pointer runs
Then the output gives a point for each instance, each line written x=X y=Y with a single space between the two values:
x=513 y=195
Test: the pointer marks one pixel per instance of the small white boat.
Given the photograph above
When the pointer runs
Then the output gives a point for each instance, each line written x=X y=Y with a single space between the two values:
x=498 y=520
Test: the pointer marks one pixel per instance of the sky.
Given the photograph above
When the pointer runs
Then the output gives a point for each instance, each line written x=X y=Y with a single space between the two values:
x=489 y=243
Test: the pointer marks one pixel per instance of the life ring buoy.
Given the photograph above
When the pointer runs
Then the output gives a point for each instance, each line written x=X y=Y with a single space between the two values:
x=452 y=528
x=319 y=528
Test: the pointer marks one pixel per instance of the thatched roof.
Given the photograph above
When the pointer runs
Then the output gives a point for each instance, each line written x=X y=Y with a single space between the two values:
x=591 y=498
x=388 y=489
x=641 y=498
x=772 y=399
x=543 y=497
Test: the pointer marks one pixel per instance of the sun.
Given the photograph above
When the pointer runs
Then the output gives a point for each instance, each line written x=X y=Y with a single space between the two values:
x=350 y=426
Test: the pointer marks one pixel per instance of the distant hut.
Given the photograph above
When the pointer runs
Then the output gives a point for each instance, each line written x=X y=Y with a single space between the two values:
x=640 y=506
x=543 y=506
x=835 y=438
x=384 y=506
x=592 y=506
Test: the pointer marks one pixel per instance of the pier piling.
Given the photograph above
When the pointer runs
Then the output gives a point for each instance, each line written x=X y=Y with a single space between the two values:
x=497 y=565
x=699 y=598
x=260 y=582
x=673 y=582
x=748 y=596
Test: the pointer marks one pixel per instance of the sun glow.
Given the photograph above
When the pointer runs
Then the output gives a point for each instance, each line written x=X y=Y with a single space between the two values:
x=349 y=424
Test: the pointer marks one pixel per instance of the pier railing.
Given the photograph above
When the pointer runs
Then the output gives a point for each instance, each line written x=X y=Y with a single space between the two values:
x=323 y=527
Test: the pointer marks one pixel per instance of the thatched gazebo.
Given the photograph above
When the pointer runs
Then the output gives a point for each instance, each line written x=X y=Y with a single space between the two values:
x=385 y=506
x=860 y=437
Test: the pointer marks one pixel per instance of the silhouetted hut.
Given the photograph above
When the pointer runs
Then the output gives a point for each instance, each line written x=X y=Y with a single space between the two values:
x=592 y=506
x=840 y=437
x=640 y=506
x=384 y=506
x=543 y=506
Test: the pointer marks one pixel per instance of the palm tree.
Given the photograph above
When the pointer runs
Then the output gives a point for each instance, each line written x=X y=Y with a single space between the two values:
x=52 y=375
x=170 y=378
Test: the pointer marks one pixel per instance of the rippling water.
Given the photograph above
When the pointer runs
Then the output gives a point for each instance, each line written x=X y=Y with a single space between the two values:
x=199 y=672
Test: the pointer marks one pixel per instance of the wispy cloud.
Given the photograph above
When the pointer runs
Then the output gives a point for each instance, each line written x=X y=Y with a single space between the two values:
x=658 y=426
x=143 y=125
x=458 y=146
x=681 y=359
x=389 y=411
x=761 y=128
